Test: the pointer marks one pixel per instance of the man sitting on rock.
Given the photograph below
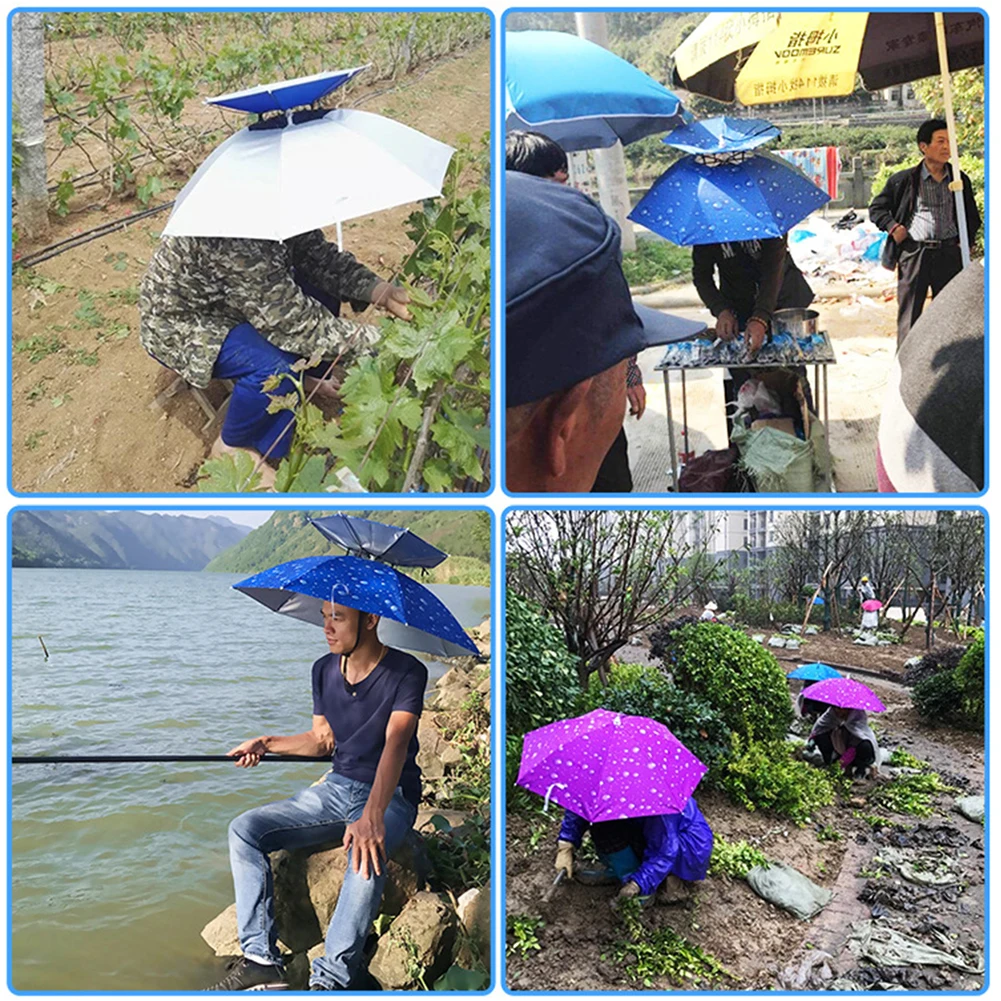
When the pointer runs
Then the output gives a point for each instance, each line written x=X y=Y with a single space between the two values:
x=367 y=699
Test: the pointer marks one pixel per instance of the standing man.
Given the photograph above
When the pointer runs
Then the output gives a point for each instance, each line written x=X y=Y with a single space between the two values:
x=918 y=211
x=367 y=699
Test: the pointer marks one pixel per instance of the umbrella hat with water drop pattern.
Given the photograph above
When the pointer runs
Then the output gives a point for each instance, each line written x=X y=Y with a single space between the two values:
x=411 y=616
x=756 y=198
x=606 y=766
x=846 y=693
x=388 y=543
x=814 y=672
x=722 y=135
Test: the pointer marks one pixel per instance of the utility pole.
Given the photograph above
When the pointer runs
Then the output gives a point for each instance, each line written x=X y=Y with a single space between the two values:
x=28 y=97
x=609 y=164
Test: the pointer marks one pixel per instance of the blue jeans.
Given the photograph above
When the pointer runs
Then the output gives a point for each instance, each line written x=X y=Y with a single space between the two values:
x=314 y=816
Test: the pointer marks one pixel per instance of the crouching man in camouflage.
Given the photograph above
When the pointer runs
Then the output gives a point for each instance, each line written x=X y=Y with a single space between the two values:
x=249 y=309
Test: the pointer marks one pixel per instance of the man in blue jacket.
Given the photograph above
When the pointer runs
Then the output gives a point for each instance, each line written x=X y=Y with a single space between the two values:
x=641 y=854
x=918 y=211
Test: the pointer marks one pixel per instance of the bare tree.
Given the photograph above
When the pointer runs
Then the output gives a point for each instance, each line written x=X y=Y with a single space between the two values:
x=603 y=575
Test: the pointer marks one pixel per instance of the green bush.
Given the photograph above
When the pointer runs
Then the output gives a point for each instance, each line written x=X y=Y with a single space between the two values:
x=939 y=698
x=740 y=679
x=656 y=260
x=969 y=678
x=734 y=858
x=644 y=691
x=765 y=612
x=542 y=683
x=764 y=776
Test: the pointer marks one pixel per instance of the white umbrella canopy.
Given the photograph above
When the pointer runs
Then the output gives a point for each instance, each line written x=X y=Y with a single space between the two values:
x=272 y=183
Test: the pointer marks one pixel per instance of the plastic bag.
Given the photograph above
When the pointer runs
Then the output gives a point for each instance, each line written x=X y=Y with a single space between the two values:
x=777 y=462
x=789 y=889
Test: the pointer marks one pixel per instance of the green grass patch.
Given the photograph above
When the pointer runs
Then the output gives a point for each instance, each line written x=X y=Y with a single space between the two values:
x=39 y=346
x=911 y=794
x=655 y=260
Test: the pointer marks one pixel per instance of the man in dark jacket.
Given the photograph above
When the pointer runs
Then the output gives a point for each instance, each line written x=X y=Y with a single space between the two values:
x=918 y=211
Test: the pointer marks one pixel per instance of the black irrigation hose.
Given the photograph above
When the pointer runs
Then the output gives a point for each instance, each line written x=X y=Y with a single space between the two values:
x=91 y=234
x=91 y=759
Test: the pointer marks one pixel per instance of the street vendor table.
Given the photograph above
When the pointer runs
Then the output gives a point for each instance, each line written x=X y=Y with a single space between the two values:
x=785 y=352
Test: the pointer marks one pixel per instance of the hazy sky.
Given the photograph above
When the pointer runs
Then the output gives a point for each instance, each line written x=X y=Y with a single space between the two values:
x=244 y=516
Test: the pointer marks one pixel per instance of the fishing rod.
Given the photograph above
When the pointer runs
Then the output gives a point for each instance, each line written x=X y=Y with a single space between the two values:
x=92 y=759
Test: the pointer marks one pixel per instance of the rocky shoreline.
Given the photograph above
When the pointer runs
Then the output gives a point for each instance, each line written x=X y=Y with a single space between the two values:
x=433 y=930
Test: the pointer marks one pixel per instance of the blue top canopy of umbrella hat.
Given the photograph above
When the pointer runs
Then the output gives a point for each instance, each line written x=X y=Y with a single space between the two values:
x=287 y=94
x=388 y=543
x=412 y=616
x=722 y=135
x=580 y=94
x=750 y=197
x=814 y=672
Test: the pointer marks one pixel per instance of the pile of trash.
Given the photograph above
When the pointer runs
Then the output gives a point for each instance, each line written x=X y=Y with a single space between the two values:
x=850 y=254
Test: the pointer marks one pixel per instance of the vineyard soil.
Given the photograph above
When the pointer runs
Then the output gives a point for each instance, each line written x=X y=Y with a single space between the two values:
x=81 y=411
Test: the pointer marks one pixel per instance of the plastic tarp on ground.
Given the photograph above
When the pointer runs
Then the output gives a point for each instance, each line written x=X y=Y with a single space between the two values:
x=882 y=945
x=789 y=889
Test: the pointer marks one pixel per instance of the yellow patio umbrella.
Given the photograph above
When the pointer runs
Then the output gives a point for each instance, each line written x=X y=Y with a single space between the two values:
x=766 y=58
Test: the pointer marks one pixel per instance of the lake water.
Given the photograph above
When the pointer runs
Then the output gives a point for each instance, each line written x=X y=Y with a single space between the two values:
x=117 y=868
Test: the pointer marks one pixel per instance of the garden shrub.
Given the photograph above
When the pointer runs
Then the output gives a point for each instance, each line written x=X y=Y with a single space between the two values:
x=939 y=698
x=662 y=642
x=969 y=678
x=741 y=680
x=763 y=775
x=942 y=658
x=764 y=612
x=644 y=691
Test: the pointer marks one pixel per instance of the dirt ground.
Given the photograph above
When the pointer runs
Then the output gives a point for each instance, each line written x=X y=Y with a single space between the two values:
x=761 y=946
x=84 y=418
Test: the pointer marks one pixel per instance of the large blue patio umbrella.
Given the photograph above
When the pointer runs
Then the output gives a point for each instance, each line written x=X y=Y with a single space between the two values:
x=412 y=617
x=722 y=134
x=388 y=543
x=580 y=94
x=814 y=672
x=754 y=197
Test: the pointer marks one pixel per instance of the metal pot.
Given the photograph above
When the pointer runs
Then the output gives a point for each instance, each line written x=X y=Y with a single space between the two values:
x=798 y=322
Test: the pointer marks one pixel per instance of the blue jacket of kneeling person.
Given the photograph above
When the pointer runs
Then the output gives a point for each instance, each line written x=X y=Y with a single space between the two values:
x=678 y=843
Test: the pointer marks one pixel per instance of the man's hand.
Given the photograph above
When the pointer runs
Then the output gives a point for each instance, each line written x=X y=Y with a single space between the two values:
x=629 y=890
x=392 y=299
x=755 y=334
x=366 y=840
x=727 y=327
x=900 y=233
x=564 y=857
x=637 y=400
x=249 y=753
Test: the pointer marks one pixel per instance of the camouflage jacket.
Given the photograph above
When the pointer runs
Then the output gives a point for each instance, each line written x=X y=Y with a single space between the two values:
x=196 y=289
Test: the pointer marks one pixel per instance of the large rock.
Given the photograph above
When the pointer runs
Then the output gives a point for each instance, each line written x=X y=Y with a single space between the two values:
x=474 y=916
x=222 y=937
x=455 y=696
x=418 y=945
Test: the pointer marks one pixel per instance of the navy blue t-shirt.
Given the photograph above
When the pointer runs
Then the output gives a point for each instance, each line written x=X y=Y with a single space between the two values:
x=359 y=714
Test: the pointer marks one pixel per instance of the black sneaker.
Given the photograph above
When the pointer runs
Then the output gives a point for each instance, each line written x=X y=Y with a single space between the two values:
x=246 y=975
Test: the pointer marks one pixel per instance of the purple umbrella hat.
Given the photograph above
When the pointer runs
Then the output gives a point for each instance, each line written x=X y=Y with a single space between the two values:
x=606 y=766
x=846 y=693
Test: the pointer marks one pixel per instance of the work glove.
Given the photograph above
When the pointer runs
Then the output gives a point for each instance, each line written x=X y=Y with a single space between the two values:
x=391 y=298
x=564 y=857
x=629 y=889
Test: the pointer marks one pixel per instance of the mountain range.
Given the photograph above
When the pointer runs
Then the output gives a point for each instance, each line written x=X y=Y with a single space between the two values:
x=119 y=540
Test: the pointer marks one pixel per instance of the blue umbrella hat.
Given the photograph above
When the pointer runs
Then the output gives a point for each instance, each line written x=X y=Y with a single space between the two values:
x=389 y=543
x=411 y=616
x=722 y=135
x=814 y=672
x=580 y=94
x=728 y=198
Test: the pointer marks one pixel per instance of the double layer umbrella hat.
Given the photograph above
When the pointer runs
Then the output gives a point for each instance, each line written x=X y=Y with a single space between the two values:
x=814 y=672
x=302 y=170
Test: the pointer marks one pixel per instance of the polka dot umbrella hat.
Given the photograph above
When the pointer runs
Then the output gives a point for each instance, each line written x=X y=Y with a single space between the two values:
x=846 y=693
x=606 y=766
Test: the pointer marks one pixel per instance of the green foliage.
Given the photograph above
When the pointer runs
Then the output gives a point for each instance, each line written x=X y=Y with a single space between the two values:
x=827 y=832
x=456 y=978
x=904 y=759
x=39 y=346
x=656 y=260
x=764 y=775
x=913 y=794
x=542 y=683
x=875 y=144
x=740 y=679
x=649 y=954
x=644 y=691
x=734 y=858
x=230 y=473
x=969 y=678
x=460 y=856
x=764 y=611
x=968 y=105
x=523 y=934
x=939 y=699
